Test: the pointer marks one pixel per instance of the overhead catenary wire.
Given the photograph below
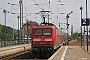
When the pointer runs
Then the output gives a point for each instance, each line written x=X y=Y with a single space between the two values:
x=38 y=5
x=25 y=7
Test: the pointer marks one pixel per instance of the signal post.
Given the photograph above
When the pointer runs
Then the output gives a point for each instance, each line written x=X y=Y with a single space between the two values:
x=68 y=25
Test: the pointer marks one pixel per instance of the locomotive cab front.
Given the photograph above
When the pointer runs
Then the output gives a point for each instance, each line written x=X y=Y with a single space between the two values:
x=42 y=39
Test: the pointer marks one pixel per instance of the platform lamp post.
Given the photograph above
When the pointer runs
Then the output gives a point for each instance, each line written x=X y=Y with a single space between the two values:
x=18 y=29
x=87 y=26
x=81 y=24
x=27 y=30
x=4 y=11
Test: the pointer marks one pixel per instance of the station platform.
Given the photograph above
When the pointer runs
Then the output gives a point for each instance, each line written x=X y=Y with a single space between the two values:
x=77 y=53
x=5 y=51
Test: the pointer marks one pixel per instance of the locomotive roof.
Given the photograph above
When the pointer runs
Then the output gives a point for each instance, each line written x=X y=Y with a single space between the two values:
x=48 y=24
x=43 y=26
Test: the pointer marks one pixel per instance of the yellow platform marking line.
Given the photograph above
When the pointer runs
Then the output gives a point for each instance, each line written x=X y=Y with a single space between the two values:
x=51 y=58
x=64 y=53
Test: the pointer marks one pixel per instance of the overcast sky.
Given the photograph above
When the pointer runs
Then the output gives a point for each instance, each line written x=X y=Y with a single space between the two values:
x=55 y=7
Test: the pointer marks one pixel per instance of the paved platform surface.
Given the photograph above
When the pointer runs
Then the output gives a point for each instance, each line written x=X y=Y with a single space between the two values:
x=77 y=53
x=86 y=49
x=58 y=54
x=89 y=49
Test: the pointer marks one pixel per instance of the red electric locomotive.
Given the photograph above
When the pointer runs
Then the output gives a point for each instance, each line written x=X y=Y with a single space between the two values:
x=46 y=39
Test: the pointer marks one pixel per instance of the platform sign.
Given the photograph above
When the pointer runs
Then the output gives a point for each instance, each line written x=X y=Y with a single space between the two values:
x=85 y=22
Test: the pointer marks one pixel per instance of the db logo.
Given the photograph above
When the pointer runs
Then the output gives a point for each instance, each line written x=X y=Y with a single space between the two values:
x=42 y=38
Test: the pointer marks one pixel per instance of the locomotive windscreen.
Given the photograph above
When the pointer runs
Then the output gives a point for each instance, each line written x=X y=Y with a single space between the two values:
x=42 y=31
x=38 y=32
x=47 y=31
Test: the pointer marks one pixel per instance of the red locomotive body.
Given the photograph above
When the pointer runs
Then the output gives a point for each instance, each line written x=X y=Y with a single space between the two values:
x=46 y=39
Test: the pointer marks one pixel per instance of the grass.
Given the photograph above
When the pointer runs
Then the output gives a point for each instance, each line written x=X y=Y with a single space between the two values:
x=77 y=43
x=74 y=43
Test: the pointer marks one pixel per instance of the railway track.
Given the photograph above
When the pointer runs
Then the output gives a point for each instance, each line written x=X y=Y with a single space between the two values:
x=29 y=56
x=10 y=57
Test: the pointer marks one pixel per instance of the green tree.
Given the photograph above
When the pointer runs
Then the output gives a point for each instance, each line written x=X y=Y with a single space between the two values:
x=9 y=32
x=75 y=36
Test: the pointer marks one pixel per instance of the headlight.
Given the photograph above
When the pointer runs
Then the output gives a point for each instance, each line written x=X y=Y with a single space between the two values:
x=36 y=39
x=48 y=39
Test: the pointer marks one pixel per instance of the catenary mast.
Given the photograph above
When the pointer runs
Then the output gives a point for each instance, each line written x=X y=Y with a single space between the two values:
x=21 y=18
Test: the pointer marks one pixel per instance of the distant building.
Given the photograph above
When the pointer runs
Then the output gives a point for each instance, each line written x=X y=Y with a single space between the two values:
x=30 y=24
